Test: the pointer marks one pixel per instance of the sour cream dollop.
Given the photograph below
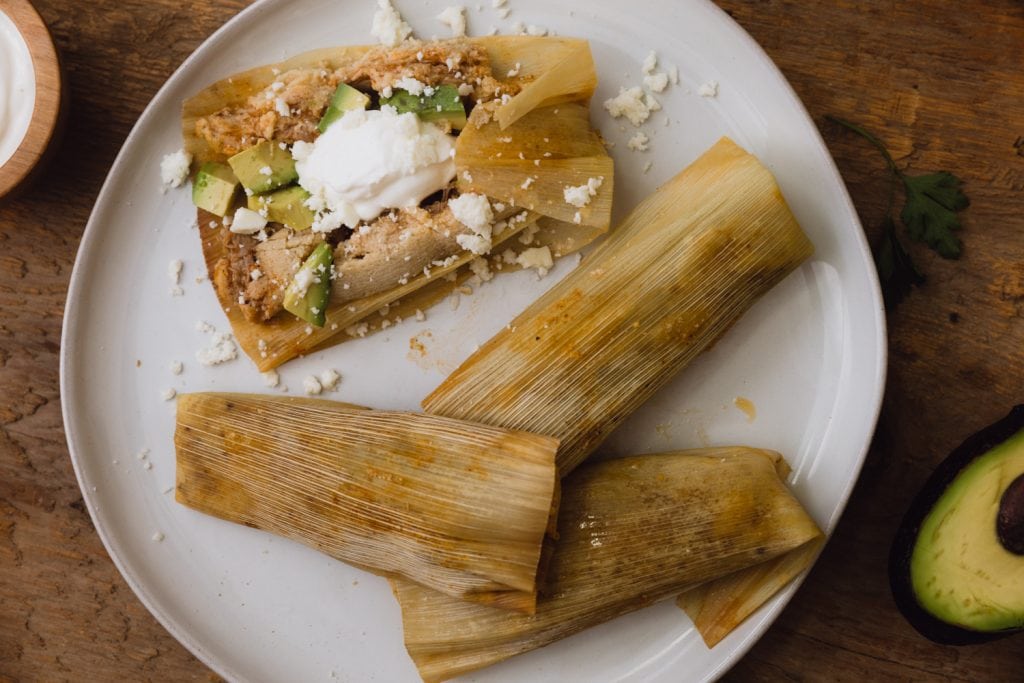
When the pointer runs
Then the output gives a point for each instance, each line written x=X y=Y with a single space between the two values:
x=371 y=161
x=17 y=88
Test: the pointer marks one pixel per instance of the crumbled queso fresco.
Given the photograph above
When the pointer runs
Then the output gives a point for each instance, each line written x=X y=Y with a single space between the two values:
x=174 y=168
x=474 y=211
x=388 y=26
x=454 y=18
x=709 y=89
x=581 y=195
x=537 y=257
x=633 y=104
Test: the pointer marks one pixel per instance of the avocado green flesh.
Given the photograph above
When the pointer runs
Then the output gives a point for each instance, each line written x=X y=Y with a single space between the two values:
x=344 y=99
x=444 y=104
x=959 y=570
x=214 y=188
x=264 y=167
x=286 y=206
x=309 y=302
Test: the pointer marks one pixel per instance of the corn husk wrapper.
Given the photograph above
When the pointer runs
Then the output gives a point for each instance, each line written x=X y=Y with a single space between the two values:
x=664 y=286
x=551 y=69
x=559 y=150
x=632 y=532
x=286 y=337
x=458 y=507
x=719 y=606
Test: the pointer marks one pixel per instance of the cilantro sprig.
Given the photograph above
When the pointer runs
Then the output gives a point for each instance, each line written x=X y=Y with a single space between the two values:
x=929 y=215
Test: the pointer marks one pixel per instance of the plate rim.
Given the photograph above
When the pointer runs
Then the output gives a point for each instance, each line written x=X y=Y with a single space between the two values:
x=766 y=615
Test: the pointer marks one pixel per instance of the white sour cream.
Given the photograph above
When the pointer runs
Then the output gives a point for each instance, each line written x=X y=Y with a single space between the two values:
x=371 y=161
x=17 y=88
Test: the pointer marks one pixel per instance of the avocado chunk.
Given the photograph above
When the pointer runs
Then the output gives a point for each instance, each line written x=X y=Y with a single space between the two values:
x=442 y=104
x=344 y=99
x=264 y=167
x=286 y=206
x=214 y=188
x=957 y=563
x=310 y=289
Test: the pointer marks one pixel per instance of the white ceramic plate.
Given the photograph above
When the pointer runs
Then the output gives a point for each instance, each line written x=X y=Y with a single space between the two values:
x=810 y=356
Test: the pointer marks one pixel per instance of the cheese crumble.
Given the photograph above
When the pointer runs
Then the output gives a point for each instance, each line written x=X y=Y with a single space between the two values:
x=633 y=104
x=174 y=168
x=581 y=195
x=538 y=258
x=329 y=379
x=454 y=18
x=311 y=385
x=474 y=211
x=388 y=26
x=639 y=142
x=709 y=89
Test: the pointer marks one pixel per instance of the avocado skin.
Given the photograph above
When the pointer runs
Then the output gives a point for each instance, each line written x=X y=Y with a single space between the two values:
x=974 y=446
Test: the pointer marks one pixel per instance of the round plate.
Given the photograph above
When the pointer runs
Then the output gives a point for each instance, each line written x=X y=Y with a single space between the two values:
x=810 y=356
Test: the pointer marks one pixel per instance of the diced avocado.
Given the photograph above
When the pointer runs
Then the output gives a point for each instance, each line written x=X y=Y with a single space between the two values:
x=957 y=565
x=309 y=291
x=264 y=167
x=344 y=99
x=286 y=206
x=443 y=104
x=214 y=188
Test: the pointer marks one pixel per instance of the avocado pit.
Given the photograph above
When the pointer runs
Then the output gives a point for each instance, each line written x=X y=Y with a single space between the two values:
x=1010 y=520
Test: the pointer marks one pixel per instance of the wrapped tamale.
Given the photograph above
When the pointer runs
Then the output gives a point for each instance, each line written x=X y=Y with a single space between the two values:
x=632 y=531
x=399 y=239
x=663 y=287
x=459 y=507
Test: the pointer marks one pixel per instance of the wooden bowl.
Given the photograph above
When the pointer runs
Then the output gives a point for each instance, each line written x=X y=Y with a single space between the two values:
x=45 y=116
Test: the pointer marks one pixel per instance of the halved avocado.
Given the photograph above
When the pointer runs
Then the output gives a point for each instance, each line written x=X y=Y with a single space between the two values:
x=957 y=563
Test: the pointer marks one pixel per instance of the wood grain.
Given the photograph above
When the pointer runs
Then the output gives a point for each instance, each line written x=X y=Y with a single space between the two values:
x=940 y=82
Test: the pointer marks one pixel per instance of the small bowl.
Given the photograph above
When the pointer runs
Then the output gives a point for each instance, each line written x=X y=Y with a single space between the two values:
x=48 y=96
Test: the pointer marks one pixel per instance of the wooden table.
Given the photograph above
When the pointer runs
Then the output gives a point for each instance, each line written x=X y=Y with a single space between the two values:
x=942 y=83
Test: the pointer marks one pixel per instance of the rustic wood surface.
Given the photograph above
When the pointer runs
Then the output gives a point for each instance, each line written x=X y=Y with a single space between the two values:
x=941 y=82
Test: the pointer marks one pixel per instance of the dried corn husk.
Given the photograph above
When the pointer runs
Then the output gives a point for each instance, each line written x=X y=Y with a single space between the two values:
x=554 y=70
x=632 y=532
x=459 y=507
x=285 y=337
x=719 y=606
x=663 y=287
x=532 y=162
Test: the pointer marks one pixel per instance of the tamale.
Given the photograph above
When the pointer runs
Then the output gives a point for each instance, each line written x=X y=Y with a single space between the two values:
x=459 y=507
x=632 y=531
x=525 y=63
x=662 y=288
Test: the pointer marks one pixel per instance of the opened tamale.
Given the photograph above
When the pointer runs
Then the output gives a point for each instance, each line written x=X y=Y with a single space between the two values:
x=532 y=72
x=461 y=508
x=664 y=286
x=632 y=532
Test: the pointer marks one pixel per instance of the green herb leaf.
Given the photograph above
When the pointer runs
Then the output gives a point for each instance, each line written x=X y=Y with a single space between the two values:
x=896 y=270
x=930 y=211
x=929 y=215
